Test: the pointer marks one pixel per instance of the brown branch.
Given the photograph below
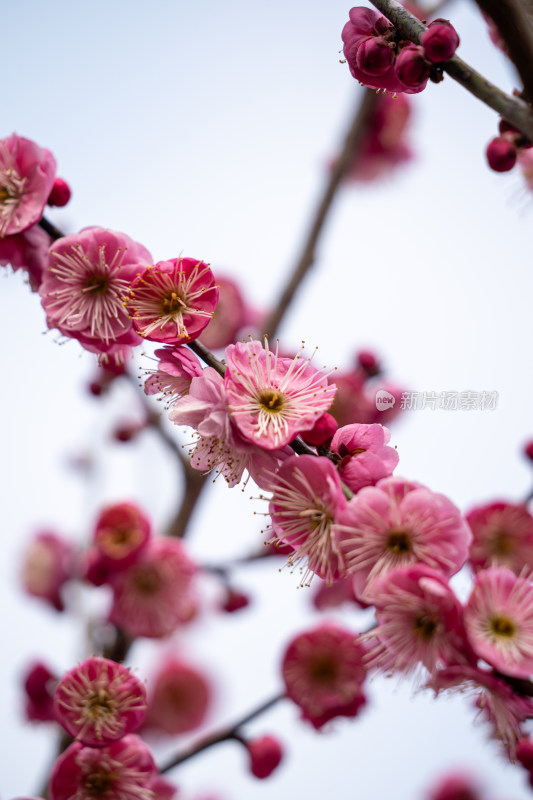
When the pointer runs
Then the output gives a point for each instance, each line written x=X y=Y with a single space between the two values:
x=514 y=20
x=516 y=111
x=223 y=736
x=307 y=256
x=50 y=229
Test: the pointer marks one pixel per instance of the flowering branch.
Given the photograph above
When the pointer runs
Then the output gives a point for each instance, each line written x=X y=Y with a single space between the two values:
x=225 y=735
x=307 y=257
x=516 y=111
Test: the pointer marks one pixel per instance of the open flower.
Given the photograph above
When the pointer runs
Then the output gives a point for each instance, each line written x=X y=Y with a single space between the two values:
x=99 y=701
x=84 y=287
x=398 y=523
x=179 y=698
x=323 y=671
x=176 y=368
x=154 y=595
x=419 y=621
x=173 y=300
x=27 y=174
x=271 y=398
x=502 y=536
x=307 y=497
x=499 y=621
x=120 y=771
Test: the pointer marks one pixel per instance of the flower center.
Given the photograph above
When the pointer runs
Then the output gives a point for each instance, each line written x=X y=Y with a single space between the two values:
x=398 y=542
x=172 y=303
x=99 y=705
x=271 y=401
x=425 y=627
x=120 y=539
x=96 y=284
x=501 y=544
x=323 y=669
x=502 y=626
x=99 y=783
x=147 y=580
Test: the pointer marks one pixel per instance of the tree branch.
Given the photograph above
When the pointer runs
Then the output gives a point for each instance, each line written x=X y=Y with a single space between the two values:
x=516 y=111
x=228 y=733
x=513 y=18
x=307 y=256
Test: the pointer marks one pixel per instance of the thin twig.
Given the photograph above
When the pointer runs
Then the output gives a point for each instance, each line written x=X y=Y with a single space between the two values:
x=50 y=229
x=228 y=733
x=353 y=138
x=516 y=111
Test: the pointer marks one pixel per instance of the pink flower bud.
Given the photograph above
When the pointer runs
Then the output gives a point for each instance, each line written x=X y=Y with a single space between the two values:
x=501 y=154
x=368 y=361
x=39 y=686
x=440 y=41
x=411 y=67
x=322 y=432
x=455 y=786
x=528 y=450
x=374 y=56
x=524 y=754
x=128 y=431
x=234 y=601
x=60 y=194
x=265 y=755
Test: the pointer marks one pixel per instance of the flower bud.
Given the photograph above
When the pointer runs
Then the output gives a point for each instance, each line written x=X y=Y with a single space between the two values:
x=369 y=362
x=234 y=601
x=411 y=66
x=322 y=431
x=374 y=56
x=528 y=450
x=265 y=755
x=501 y=154
x=440 y=41
x=60 y=194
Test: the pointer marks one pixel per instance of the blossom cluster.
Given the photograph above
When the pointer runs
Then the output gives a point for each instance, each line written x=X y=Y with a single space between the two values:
x=380 y=58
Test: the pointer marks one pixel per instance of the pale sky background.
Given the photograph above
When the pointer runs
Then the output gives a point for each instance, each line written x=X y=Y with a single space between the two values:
x=204 y=130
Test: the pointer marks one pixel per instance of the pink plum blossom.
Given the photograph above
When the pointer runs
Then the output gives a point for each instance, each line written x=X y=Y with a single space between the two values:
x=364 y=455
x=398 y=523
x=120 y=771
x=179 y=698
x=173 y=301
x=419 y=622
x=270 y=398
x=499 y=621
x=27 y=251
x=121 y=532
x=220 y=444
x=323 y=672
x=84 y=288
x=27 y=174
x=154 y=596
x=502 y=536
x=176 y=368
x=46 y=567
x=306 y=501
x=99 y=701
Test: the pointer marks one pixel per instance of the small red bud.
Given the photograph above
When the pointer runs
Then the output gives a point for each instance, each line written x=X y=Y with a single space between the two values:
x=265 y=755
x=322 y=432
x=440 y=41
x=501 y=154
x=128 y=431
x=528 y=450
x=368 y=361
x=235 y=601
x=411 y=66
x=60 y=194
